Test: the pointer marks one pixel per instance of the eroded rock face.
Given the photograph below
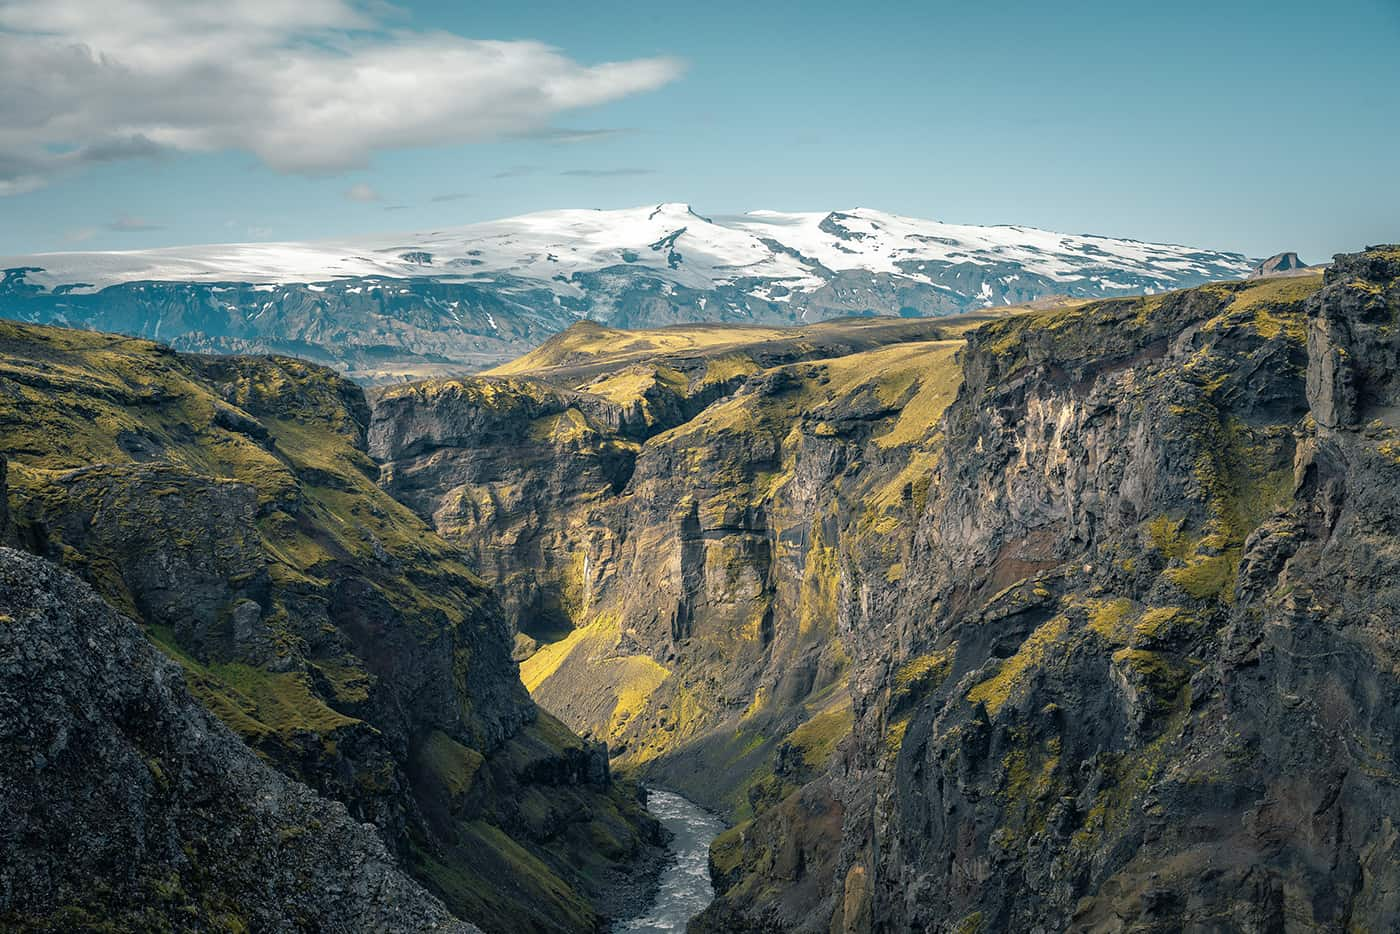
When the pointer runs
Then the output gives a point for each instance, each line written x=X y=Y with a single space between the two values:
x=1135 y=674
x=663 y=527
x=128 y=805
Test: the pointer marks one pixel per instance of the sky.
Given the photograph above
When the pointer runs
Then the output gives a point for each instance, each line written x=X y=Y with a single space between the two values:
x=1250 y=126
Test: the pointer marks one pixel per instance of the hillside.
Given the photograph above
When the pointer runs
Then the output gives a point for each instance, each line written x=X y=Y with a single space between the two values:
x=229 y=505
x=443 y=302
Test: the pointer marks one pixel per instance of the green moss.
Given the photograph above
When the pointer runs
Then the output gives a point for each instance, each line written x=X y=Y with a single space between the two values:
x=817 y=738
x=349 y=682
x=1166 y=537
x=727 y=850
x=728 y=367
x=1274 y=306
x=924 y=673
x=1112 y=619
x=996 y=691
x=1159 y=671
x=569 y=427
x=895 y=731
x=282 y=702
x=972 y=924
x=454 y=764
x=1207 y=577
x=503 y=886
x=1158 y=621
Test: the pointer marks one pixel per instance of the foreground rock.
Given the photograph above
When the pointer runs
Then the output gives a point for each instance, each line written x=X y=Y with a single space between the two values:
x=129 y=807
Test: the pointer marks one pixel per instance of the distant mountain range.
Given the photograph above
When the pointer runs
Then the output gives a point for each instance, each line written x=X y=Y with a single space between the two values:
x=466 y=298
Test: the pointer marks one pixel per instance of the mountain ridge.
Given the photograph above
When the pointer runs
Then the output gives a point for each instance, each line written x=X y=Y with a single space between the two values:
x=612 y=234
x=457 y=300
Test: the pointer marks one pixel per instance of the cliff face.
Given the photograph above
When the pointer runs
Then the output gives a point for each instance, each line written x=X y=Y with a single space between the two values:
x=667 y=513
x=229 y=505
x=1136 y=674
x=129 y=807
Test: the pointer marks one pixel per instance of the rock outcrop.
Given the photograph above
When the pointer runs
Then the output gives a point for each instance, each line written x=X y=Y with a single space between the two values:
x=128 y=806
x=1281 y=264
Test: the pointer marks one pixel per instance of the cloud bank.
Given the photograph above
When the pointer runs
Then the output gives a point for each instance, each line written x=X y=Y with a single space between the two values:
x=316 y=86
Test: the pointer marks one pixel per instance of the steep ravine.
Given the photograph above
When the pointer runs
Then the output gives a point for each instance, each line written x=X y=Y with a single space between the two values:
x=657 y=509
x=1074 y=619
x=1081 y=619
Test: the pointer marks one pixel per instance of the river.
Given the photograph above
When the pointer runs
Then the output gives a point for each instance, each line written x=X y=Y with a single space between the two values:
x=684 y=888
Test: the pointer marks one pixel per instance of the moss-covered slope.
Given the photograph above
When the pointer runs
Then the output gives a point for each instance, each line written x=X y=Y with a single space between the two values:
x=229 y=504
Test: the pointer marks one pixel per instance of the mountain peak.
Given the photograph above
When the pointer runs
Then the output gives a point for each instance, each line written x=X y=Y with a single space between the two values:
x=1280 y=264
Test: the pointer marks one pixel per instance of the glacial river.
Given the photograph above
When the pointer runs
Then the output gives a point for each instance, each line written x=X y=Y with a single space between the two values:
x=685 y=887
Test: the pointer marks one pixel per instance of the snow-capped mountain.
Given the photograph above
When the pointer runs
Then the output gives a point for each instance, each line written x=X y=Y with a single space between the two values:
x=468 y=296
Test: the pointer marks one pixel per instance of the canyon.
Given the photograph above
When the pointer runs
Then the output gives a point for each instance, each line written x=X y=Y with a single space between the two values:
x=1069 y=616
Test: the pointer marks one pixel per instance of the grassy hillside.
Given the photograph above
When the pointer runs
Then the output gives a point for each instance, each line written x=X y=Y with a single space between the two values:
x=230 y=505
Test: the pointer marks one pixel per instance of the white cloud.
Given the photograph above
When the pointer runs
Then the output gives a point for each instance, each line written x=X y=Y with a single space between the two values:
x=362 y=192
x=313 y=86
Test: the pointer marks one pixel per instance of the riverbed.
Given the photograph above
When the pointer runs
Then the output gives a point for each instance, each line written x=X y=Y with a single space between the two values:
x=684 y=888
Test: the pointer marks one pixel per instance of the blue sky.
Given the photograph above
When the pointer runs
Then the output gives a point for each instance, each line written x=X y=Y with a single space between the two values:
x=1255 y=126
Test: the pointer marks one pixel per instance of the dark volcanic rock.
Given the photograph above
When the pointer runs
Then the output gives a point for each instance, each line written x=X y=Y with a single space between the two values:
x=1139 y=672
x=128 y=806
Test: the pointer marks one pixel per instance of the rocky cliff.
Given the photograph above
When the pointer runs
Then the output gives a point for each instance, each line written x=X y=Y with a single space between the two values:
x=128 y=806
x=1078 y=619
x=660 y=511
x=229 y=505
x=1135 y=675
